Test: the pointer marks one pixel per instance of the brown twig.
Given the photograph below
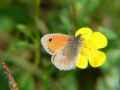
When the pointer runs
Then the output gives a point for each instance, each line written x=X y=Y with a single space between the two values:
x=12 y=83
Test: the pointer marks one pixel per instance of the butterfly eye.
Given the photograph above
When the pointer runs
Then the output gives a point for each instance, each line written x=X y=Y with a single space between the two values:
x=50 y=39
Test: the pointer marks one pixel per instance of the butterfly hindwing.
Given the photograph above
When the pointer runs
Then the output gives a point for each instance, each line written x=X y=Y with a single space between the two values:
x=65 y=59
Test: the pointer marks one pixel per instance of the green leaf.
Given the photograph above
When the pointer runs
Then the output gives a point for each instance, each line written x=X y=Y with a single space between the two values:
x=15 y=45
x=110 y=80
x=113 y=56
x=67 y=81
x=25 y=81
x=24 y=29
x=3 y=80
x=100 y=85
x=6 y=24
x=110 y=34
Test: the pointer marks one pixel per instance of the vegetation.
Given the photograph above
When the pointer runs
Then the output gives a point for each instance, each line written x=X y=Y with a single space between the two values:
x=24 y=22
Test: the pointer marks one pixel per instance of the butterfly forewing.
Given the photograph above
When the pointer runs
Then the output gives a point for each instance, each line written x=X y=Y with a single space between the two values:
x=54 y=42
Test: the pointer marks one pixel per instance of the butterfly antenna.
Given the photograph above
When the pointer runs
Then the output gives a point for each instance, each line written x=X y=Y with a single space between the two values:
x=73 y=27
x=12 y=83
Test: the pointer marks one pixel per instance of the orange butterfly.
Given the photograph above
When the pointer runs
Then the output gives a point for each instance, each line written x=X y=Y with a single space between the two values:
x=63 y=48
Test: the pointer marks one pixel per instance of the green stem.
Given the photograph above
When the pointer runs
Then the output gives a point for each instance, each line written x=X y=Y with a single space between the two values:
x=37 y=54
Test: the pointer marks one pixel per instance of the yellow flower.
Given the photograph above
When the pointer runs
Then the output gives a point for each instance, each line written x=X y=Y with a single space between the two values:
x=89 y=51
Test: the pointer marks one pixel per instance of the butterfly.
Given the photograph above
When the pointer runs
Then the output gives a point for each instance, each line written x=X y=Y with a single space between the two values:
x=63 y=48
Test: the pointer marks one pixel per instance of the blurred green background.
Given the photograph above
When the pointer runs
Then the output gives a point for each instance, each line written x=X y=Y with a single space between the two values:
x=24 y=22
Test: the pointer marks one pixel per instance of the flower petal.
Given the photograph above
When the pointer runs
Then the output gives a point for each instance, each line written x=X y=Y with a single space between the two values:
x=86 y=34
x=84 y=30
x=99 y=40
x=97 y=58
x=82 y=62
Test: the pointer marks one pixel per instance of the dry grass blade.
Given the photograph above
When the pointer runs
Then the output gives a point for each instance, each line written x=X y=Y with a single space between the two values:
x=11 y=80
